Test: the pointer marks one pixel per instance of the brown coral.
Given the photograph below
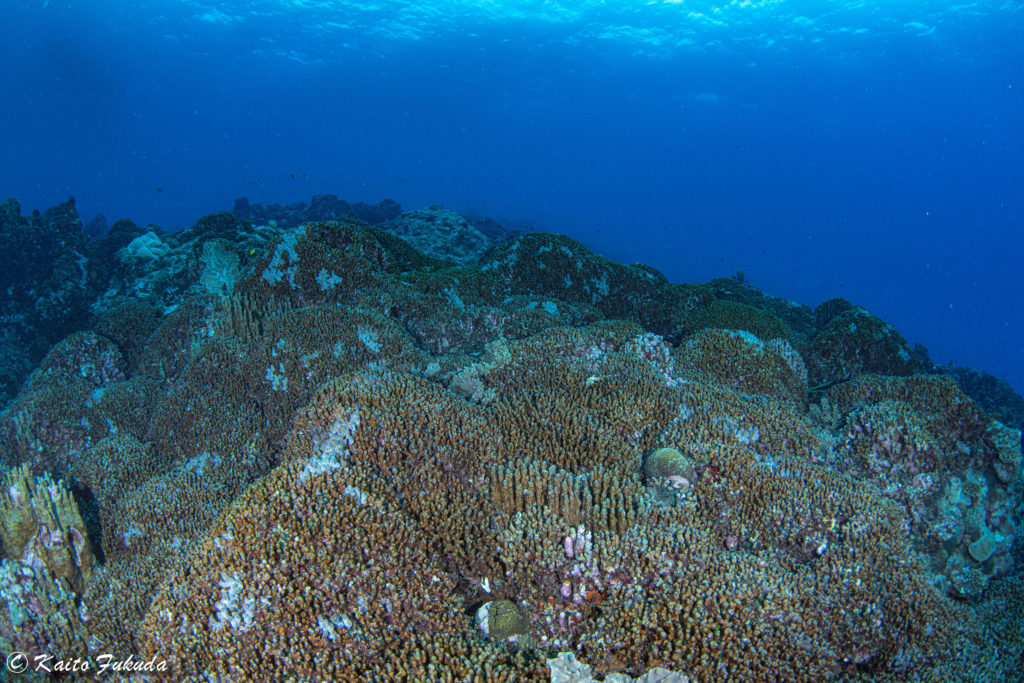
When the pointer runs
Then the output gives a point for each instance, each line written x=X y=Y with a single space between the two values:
x=329 y=473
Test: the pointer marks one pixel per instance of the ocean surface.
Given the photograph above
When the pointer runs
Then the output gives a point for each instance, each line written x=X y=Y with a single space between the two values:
x=483 y=340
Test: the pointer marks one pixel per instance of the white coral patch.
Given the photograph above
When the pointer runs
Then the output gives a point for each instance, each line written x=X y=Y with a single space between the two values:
x=233 y=609
x=334 y=447
x=369 y=338
x=483 y=618
x=277 y=377
x=285 y=259
x=329 y=625
x=356 y=493
x=749 y=338
x=132 y=532
x=328 y=280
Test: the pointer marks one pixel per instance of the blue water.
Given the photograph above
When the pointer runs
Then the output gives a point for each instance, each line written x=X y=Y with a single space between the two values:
x=868 y=150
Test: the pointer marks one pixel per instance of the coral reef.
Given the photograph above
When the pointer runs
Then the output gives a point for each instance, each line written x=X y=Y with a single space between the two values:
x=323 y=207
x=429 y=229
x=559 y=267
x=995 y=395
x=45 y=279
x=737 y=358
x=48 y=562
x=958 y=482
x=319 y=453
x=729 y=315
x=854 y=342
x=799 y=320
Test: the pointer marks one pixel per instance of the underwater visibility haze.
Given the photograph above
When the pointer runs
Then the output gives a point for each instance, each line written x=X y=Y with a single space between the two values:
x=857 y=149
x=524 y=340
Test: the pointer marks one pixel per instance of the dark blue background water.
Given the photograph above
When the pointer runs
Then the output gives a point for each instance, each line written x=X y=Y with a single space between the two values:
x=866 y=150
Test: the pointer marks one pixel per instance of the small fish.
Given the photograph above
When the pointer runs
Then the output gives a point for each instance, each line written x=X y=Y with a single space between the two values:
x=292 y=176
x=159 y=189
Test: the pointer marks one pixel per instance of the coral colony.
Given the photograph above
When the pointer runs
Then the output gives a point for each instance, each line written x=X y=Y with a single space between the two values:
x=411 y=446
